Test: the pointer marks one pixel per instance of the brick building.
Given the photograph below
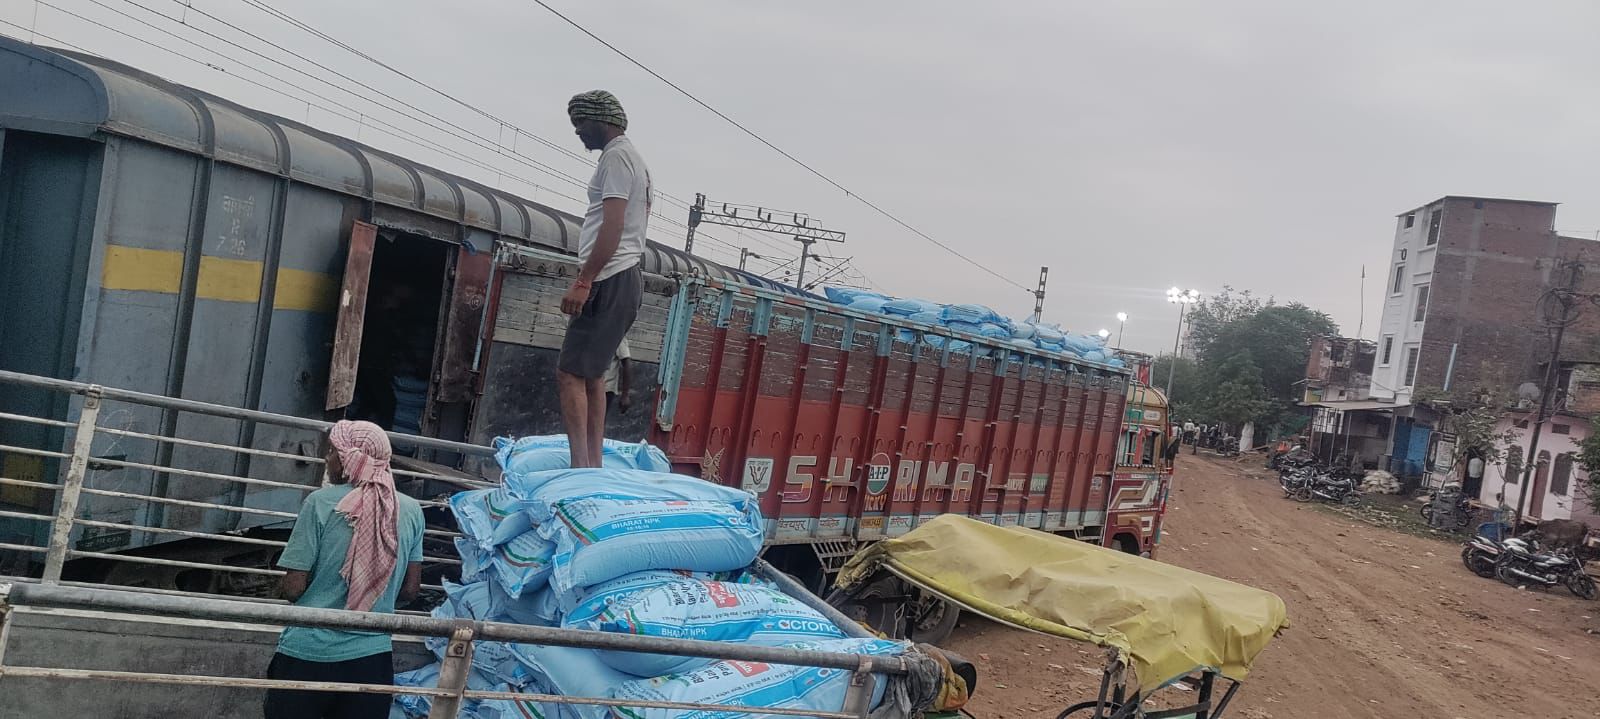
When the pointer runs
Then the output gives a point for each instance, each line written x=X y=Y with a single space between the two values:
x=1460 y=297
x=1460 y=313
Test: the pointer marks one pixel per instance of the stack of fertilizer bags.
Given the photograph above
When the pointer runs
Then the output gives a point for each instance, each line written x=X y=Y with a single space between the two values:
x=974 y=319
x=630 y=549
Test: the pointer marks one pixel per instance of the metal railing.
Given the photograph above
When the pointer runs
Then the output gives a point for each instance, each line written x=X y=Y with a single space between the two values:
x=76 y=494
x=455 y=664
x=81 y=504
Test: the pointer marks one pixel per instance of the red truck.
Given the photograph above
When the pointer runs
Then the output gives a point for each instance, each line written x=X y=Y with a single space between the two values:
x=851 y=426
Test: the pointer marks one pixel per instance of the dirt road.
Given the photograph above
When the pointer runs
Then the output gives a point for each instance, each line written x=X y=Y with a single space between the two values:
x=1384 y=624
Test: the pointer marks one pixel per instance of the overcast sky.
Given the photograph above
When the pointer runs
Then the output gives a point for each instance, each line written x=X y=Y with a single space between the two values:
x=1129 y=146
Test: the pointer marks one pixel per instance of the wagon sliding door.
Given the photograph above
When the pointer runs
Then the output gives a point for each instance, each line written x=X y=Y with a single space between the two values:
x=352 y=312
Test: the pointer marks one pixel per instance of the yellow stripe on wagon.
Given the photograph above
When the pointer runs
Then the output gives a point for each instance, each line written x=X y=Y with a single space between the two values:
x=144 y=270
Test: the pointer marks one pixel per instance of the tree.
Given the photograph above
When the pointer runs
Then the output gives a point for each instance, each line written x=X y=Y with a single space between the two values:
x=1277 y=340
x=1213 y=312
x=1237 y=395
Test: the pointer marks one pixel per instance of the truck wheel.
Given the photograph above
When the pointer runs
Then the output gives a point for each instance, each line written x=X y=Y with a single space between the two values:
x=932 y=619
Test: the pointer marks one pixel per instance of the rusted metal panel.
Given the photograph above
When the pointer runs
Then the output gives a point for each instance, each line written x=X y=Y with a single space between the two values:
x=462 y=320
x=352 y=313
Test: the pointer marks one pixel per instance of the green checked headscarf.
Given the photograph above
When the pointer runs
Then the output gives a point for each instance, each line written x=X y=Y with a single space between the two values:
x=597 y=105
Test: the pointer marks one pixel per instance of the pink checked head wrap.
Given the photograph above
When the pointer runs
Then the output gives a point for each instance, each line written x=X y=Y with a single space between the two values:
x=370 y=508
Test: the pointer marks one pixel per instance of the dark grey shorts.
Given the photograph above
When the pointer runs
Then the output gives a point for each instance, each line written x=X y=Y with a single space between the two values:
x=593 y=336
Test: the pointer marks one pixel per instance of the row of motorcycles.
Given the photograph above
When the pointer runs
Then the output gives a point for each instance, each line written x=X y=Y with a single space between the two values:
x=1304 y=478
x=1520 y=561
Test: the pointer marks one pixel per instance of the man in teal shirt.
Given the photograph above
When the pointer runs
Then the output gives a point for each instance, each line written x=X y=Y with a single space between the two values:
x=357 y=534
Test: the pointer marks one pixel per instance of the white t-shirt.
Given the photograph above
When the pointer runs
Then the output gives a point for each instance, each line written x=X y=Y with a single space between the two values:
x=621 y=172
x=614 y=370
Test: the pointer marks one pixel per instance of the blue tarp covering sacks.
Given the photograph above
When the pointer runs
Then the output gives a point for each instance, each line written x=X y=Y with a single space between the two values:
x=975 y=319
x=616 y=549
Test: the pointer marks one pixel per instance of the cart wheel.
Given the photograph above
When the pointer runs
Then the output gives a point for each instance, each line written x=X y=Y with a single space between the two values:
x=932 y=619
x=1084 y=710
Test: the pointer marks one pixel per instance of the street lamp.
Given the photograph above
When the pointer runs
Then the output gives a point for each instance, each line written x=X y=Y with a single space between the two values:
x=1183 y=298
x=1104 y=334
x=1122 y=319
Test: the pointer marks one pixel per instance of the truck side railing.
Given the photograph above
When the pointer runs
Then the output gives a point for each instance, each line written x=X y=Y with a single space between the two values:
x=451 y=691
x=76 y=447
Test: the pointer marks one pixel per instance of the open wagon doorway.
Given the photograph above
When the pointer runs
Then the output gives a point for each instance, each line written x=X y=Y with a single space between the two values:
x=388 y=333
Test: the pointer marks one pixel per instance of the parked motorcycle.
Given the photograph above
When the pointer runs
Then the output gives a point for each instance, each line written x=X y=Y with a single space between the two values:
x=1464 y=511
x=1480 y=554
x=1522 y=562
x=1291 y=479
x=1332 y=487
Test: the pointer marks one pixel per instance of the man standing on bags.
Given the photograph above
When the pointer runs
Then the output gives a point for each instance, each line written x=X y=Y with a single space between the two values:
x=605 y=297
x=356 y=545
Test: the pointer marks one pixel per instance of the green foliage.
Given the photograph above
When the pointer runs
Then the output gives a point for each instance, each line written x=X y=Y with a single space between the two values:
x=1214 y=312
x=1472 y=416
x=1589 y=460
x=1252 y=357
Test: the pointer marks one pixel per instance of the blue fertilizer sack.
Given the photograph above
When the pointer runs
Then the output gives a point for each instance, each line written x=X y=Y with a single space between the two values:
x=846 y=295
x=601 y=596
x=706 y=610
x=485 y=601
x=633 y=484
x=872 y=305
x=475 y=564
x=972 y=314
x=494 y=660
x=573 y=673
x=522 y=564
x=543 y=453
x=509 y=709
x=416 y=706
x=1048 y=334
x=908 y=307
x=956 y=346
x=490 y=517
x=601 y=537
x=927 y=318
x=756 y=685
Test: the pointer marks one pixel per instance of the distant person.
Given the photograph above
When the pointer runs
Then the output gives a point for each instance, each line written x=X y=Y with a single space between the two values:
x=618 y=381
x=604 y=299
x=1188 y=432
x=356 y=545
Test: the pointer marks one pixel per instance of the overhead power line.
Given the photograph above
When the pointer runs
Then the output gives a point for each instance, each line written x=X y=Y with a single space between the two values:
x=499 y=147
x=758 y=138
x=359 y=116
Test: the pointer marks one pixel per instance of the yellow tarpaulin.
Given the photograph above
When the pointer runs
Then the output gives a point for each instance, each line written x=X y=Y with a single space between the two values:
x=1164 y=621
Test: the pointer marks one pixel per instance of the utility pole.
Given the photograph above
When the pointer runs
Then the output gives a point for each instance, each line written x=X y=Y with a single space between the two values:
x=745 y=254
x=803 y=228
x=805 y=252
x=1038 y=295
x=696 y=212
x=1567 y=297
